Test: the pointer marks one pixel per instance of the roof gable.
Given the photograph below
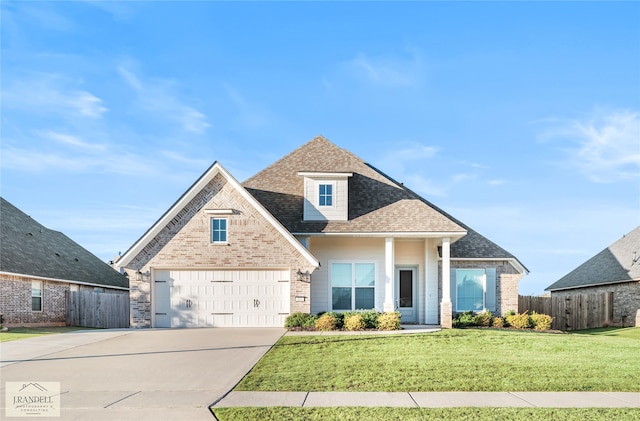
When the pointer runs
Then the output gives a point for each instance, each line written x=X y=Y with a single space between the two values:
x=29 y=248
x=377 y=203
x=175 y=212
x=620 y=262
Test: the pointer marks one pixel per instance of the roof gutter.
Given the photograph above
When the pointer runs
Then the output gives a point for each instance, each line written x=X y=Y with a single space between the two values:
x=593 y=285
x=68 y=281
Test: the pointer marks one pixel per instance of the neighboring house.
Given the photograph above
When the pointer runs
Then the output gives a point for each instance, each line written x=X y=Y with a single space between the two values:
x=319 y=230
x=615 y=269
x=38 y=266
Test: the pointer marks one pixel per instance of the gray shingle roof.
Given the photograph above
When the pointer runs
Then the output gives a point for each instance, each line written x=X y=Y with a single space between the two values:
x=620 y=262
x=29 y=248
x=377 y=203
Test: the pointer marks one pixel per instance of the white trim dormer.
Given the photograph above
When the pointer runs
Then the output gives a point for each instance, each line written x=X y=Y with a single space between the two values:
x=326 y=196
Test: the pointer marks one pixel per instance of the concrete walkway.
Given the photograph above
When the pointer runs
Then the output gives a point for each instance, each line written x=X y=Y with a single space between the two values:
x=432 y=399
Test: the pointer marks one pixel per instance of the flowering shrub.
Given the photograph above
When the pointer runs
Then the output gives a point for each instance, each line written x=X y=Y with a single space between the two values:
x=326 y=322
x=540 y=322
x=354 y=321
x=389 y=321
x=498 y=322
x=519 y=321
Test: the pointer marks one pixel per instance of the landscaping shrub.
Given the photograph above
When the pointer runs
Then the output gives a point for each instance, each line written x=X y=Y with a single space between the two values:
x=540 y=322
x=326 y=322
x=297 y=320
x=311 y=321
x=354 y=321
x=370 y=318
x=519 y=321
x=389 y=321
x=464 y=319
x=339 y=319
x=498 y=322
x=483 y=319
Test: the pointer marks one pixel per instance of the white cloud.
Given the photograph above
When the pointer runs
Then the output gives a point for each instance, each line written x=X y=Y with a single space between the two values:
x=54 y=94
x=605 y=146
x=71 y=140
x=159 y=97
x=388 y=71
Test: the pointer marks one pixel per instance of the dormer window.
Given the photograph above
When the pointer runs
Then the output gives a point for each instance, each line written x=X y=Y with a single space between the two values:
x=326 y=196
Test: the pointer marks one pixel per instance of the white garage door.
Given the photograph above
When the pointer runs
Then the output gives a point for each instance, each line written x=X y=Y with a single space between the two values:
x=221 y=298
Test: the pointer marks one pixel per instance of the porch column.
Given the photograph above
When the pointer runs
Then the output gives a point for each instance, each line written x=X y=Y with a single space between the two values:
x=446 y=308
x=389 y=271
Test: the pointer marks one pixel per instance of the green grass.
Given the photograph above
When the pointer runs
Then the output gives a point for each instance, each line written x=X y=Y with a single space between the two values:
x=16 y=333
x=626 y=332
x=444 y=414
x=451 y=360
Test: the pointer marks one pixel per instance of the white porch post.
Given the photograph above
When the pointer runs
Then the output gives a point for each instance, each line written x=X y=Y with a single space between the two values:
x=389 y=271
x=446 y=307
x=446 y=270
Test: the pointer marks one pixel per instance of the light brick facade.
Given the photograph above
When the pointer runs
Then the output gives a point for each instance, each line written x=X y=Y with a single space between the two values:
x=15 y=301
x=626 y=300
x=185 y=243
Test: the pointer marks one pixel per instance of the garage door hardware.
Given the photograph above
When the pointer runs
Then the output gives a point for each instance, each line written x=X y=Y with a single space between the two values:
x=221 y=281
x=222 y=314
x=256 y=303
x=161 y=314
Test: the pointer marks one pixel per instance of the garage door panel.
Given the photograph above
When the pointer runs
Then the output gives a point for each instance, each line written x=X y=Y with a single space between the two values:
x=221 y=298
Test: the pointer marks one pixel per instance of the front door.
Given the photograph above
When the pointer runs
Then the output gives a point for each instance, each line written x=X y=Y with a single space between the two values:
x=406 y=294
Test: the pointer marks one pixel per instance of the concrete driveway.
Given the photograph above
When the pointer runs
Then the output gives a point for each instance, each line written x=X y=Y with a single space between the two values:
x=154 y=374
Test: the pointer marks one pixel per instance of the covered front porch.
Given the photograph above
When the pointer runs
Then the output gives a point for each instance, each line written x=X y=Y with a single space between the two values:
x=406 y=276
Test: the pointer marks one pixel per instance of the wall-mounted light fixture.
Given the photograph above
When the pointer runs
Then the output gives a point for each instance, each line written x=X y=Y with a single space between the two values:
x=143 y=276
x=303 y=276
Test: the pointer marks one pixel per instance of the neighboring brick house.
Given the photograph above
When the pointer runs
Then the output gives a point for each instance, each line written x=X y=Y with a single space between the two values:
x=319 y=230
x=38 y=266
x=615 y=269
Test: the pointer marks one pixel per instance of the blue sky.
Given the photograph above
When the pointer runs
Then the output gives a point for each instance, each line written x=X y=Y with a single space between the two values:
x=520 y=119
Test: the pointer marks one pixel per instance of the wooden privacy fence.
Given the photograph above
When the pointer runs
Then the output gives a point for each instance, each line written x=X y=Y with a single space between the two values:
x=97 y=309
x=572 y=312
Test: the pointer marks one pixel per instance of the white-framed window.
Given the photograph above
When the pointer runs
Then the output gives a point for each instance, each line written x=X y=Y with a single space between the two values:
x=325 y=194
x=474 y=289
x=36 y=295
x=218 y=230
x=352 y=285
x=470 y=289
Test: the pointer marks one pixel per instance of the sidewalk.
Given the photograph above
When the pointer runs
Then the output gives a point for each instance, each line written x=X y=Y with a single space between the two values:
x=432 y=399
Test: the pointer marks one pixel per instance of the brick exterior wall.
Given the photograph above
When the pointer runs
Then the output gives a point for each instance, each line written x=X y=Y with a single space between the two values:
x=626 y=300
x=507 y=278
x=15 y=301
x=185 y=243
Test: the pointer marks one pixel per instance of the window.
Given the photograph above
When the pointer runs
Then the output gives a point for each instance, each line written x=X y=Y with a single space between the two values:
x=470 y=289
x=326 y=195
x=218 y=230
x=353 y=286
x=36 y=295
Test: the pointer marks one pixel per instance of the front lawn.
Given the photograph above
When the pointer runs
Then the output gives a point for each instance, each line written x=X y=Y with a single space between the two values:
x=451 y=360
x=16 y=333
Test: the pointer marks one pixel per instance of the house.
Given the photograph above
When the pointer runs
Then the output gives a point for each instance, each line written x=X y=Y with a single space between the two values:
x=319 y=230
x=38 y=266
x=615 y=269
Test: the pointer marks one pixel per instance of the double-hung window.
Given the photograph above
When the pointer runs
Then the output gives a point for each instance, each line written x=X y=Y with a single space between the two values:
x=219 y=230
x=326 y=195
x=36 y=295
x=353 y=286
